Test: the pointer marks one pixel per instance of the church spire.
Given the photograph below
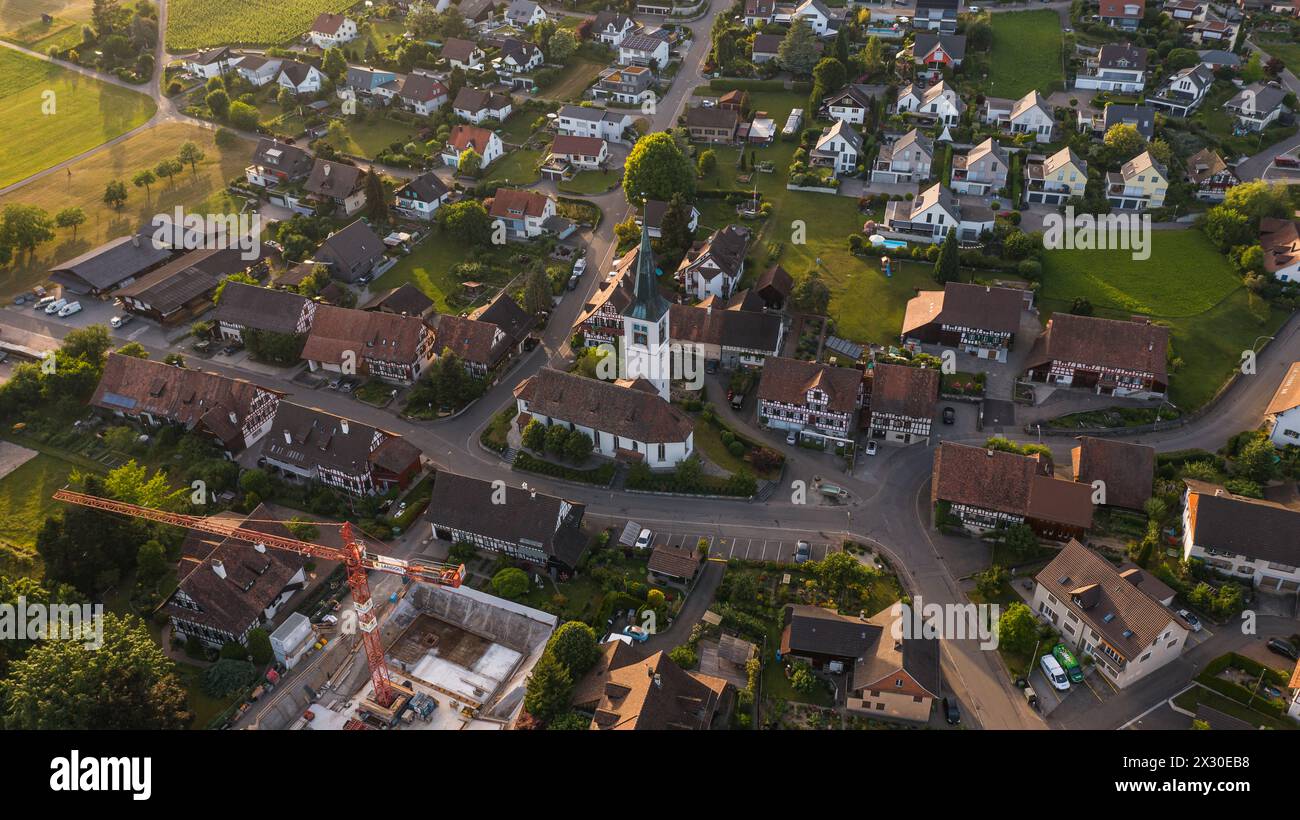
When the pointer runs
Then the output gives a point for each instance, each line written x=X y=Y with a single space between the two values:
x=647 y=303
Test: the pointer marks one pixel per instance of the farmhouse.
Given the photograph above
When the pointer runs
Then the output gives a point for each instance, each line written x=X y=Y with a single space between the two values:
x=981 y=320
x=182 y=288
x=731 y=336
x=309 y=444
x=818 y=401
x=483 y=346
x=115 y=263
x=404 y=300
x=1107 y=356
x=246 y=307
x=1125 y=470
x=393 y=348
x=901 y=401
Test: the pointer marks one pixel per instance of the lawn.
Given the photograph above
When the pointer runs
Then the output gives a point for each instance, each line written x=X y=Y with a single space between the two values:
x=580 y=75
x=205 y=708
x=518 y=167
x=590 y=182
x=25 y=499
x=20 y=14
x=430 y=268
x=1188 y=285
x=368 y=137
x=61 y=114
x=1285 y=50
x=1026 y=53
x=193 y=24
x=204 y=193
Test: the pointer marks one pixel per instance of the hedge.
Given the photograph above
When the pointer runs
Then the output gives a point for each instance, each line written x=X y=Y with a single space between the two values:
x=742 y=84
x=600 y=476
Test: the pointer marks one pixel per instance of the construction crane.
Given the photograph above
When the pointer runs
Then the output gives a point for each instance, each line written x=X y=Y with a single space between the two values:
x=352 y=554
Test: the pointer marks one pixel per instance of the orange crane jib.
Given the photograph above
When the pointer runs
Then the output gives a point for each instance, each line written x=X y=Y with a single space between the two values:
x=352 y=554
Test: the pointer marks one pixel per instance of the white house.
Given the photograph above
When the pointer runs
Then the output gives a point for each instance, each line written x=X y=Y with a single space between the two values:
x=462 y=54
x=611 y=27
x=485 y=143
x=1257 y=105
x=1117 y=67
x=850 y=104
x=422 y=94
x=331 y=30
x=1028 y=115
x=1184 y=91
x=816 y=15
x=939 y=102
x=840 y=147
x=293 y=639
x=933 y=213
x=525 y=13
x=714 y=266
x=421 y=197
x=212 y=63
x=1245 y=538
x=906 y=159
x=583 y=153
x=300 y=78
x=643 y=49
x=477 y=105
x=1280 y=241
x=587 y=121
x=258 y=70
x=519 y=57
x=1283 y=412
x=523 y=213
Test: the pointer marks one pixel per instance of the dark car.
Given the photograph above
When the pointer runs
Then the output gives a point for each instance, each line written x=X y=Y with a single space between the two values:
x=1283 y=648
x=951 y=712
x=949 y=415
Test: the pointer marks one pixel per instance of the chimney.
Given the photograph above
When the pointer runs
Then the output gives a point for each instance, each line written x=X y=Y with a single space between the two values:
x=659 y=682
x=288 y=437
x=135 y=240
x=343 y=425
x=260 y=547
x=233 y=418
x=326 y=172
x=219 y=568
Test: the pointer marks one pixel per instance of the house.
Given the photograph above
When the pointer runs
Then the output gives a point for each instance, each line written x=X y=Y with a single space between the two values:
x=1257 y=105
x=937 y=15
x=421 y=197
x=652 y=216
x=215 y=62
x=1123 y=472
x=992 y=489
x=1140 y=184
x=818 y=401
x=626 y=691
x=1028 y=115
x=228 y=587
x=246 y=308
x=1108 y=356
x=839 y=147
x=525 y=525
x=483 y=346
x=761 y=11
x=933 y=213
x=524 y=213
x=1280 y=240
x=1283 y=411
x=850 y=104
x=1210 y=174
x=629 y=423
x=1102 y=614
x=182 y=289
x=1055 y=180
x=1122 y=14
x=893 y=674
x=364 y=81
x=713 y=267
x=404 y=300
x=610 y=27
x=293 y=639
x=258 y=70
x=525 y=13
x=111 y=265
x=906 y=159
x=901 y=401
x=462 y=54
x=981 y=171
x=275 y=163
x=938 y=50
x=678 y=564
x=726 y=334
x=817 y=15
x=477 y=105
x=342 y=185
x=937 y=102
x=474 y=12
x=979 y=319
x=712 y=124
x=586 y=121
x=1184 y=91
x=422 y=94
x=1210 y=33
x=1217 y=58
x=519 y=57
x=1245 y=538
x=396 y=349
x=1185 y=10
x=765 y=48
x=332 y=30
x=352 y=252
x=633 y=85
x=643 y=50
x=311 y=445
x=481 y=141
x=1141 y=117
x=233 y=412
x=300 y=78
x=570 y=154
x=1117 y=67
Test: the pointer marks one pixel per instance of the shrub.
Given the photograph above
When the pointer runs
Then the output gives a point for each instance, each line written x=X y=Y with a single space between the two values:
x=510 y=583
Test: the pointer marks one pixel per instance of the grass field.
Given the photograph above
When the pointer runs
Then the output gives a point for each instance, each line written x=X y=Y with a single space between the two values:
x=368 y=138
x=25 y=498
x=84 y=113
x=193 y=24
x=1026 y=53
x=1186 y=284
x=590 y=182
x=85 y=188
x=519 y=167
x=569 y=88
x=17 y=14
x=1286 y=51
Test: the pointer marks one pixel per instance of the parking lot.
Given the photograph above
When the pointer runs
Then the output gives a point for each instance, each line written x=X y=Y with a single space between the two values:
x=751 y=549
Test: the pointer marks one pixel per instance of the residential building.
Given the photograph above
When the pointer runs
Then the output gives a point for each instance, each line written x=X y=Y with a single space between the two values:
x=652 y=215
x=1257 y=106
x=579 y=153
x=300 y=78
x=901 y=402
x=906 y=159
x=1210 y=174
x=182 y=289
x=1246 y=539
x=421 y=197
x=524 y=213
x=1108 y=356
x=678 y=564
x=610 y=27
x=541 y=530
x=1117 y=67
x=258 y=70
x=632 y=85
x=981 y=171
x=765 y=48
x=1283 y=411
x=215 y=62
x=365 y=81
x=1122 y=14
x=264 y=310
x=1212 y=33
x=483 y=346
x=404 y=300
x=1120 y=471
x=727 y=334
x=476 y=12
x=422 y=94
x=1184 y=91
x=1185 y=10
x=1139 y=185
x=1103 y=614
x=624 y=691
x=1056 y=179
x=1028 y=115
x=712 y=124
x=714 y=266
x=839 y=148
x=462 y=54
x=818 y=401
x=937 y=102
x=481 y=141
x=477 y=105
x=114 y=264
x=396 y=349
x=275 y=163
x=1141 y=117
x=937 y=15
x=992 y=489
x=979 y=319
x=342 y=186
x=936 y=51
x=332 y=30
x=933 y=213
x=233 y=412
x=352 y=252
x=850 y=104
x=525 y=13
x=1280 y=240
x=519 y=57
x=643 y=50
x=311 y=445
x=586 y=121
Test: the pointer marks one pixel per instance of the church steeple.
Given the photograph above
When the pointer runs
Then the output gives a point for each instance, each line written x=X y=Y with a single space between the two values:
x=647 y=304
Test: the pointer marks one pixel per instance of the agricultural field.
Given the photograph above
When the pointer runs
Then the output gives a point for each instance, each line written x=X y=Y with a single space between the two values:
x=204 y=192
x=568 y=88
x=85 y=113
x=20 y=20
x=1186 y=284
x=195 y=24
x=1026 y=53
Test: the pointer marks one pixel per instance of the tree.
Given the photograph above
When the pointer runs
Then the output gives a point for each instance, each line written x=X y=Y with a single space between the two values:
x=23 y=227
x=548 y=689
x=1258 y=199
x=556 y=438
x=470 y=162
x=560 y=46
x=799 y=49
x=1124 y=140
x=334 y=65
x=1227 y=227
x=830 y=74
x=70 y=217
x=837 y=573
x=243 y=278
x=510 y=583
x=575 y=646
x=227 y=676
x=376 y=197
x=133 y=349
x=115 y=194
x=218 y=103
x=675 y=234
x=534 y=436
x=989 y=582
x=467 y=221
x=259 y=647
x=1255 y=461
x=151 y=562
x=143 y=179
x=191 y=154
x=803 y=680
x=1018 y=628
x=1020 y=541
x=707 y=164
x=569 y=722
x=656 y=169
x=132 y=484
x=811 y=295
x=127 y=683
x=947 y=268
x=578 y=446
x=243 y=116
x=537 y=292
x=168 y=169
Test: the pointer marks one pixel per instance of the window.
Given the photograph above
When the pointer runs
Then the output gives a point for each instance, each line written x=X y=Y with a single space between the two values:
x=898 y=683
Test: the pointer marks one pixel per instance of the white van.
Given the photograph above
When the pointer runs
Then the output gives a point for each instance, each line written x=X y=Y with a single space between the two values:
x=55 y=306
x=1054 y=672
x=69 y=309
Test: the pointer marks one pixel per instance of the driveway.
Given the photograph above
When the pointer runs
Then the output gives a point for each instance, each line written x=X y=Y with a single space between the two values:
x=697 y=603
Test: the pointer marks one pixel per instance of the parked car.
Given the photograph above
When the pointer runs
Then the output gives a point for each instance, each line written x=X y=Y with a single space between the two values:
x=949 y=415
x=792 y=437
x=573 y=282
x=1283 y=648
x=951 y=711
x=1193 y=622
x=334 y=384
x=1054 y=673
x=871 y=447
x=802 y=552
x=329 y=619
x=580 y=267
x=347 y=385
x=69 y=309
x=55 y=306
x=643 y=540
x=636 y=633
x=43 y=302
x=121 y=321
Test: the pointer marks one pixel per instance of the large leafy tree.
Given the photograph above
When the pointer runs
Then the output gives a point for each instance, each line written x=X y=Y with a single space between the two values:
x=1017 y=628
x=467 y=222
x=574 y=645
x=657 y=169
x=23 y=227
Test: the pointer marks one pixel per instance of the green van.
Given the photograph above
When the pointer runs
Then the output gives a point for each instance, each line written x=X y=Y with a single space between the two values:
x=1067 y=661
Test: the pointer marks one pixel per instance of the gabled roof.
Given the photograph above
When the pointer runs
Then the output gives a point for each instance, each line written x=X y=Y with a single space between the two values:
x=421 y=88
x=1280 y=241
x=1256 y=99
x=516 y=203
x=333 y=179
x=962 y=305
x=629 y=412
x=1122 y=56
x=1204 y=164
x=258 y=308
x=112 y=262
x=1287 y=396
x=427 y=187
x=746 y=329
x=470 y=136
x=841 y=129
x=475 y=100
x=1235 y=525
x=1008 y=482
x=504 y=312
x=954 y=45
x=624 y=692
x=724 y=248
x=906 y=391
x=851 y=95
x=567 y=144
x=1030 y=101
x=327 y=23
x=405 y=300
x=353 y=245
x=308 y=438
x=1092 y=340
x=1141 y=117
x=914 y=656
x=1116 y=8
x=297 y=72
x=641 y=42
x=288 y=159
x=1126 y=470
x=462 y=51
x=819 y=631
x=185 y=279
x=701 y=117
x=473 y=341
x=384 y=337
x=789 y=381
x=775 y=278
